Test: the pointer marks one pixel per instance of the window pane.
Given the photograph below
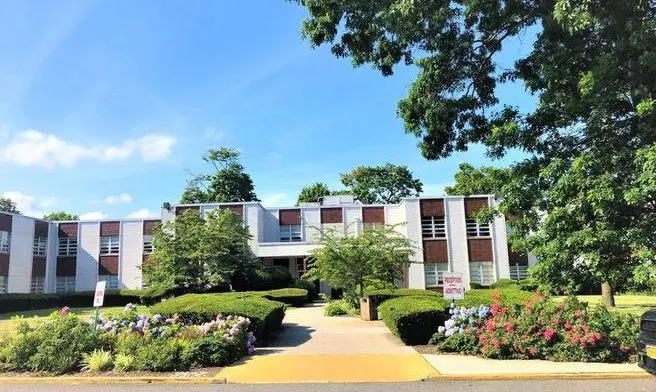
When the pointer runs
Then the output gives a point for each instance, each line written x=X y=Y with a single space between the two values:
x=5 y=241
x=36 y=285
x=3 y=284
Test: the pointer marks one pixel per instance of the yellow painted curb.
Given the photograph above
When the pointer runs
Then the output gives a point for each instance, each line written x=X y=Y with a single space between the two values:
x=540 y=376
x=110 y=380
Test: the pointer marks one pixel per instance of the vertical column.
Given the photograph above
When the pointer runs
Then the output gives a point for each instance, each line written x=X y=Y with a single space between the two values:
x=416 y=277
x=457 y=236
x=131 y=254
x=20 y=255
x=86 y=272
x=500 y=239
x=50 y=283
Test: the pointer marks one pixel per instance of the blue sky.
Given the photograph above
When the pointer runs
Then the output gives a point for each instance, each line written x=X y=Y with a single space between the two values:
x=106 y=106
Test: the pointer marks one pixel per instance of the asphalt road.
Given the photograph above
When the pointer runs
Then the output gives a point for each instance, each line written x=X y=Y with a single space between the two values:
x=631 y=385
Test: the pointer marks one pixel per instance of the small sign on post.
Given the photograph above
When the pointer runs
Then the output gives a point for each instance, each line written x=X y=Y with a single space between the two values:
x=453 y=286
x=99 y=297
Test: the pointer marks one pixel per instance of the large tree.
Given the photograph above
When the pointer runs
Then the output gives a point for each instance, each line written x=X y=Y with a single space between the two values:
x=381 y=184
x=60 y=216
x=313 y=193
x=8 y=205
x=477 y=181
x=195 y=253
x=592 y=68
x=228 y=183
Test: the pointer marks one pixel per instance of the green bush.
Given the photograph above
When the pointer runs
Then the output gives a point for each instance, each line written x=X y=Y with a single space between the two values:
x=261 y=278
x=340 y=307
x=265 y=315
x=21 y=302
x=211 y=351
x=290 y=296
x=529 y=285
x=159 y=355
x=309 y=286
x=477 y=286
x=464 y=343
x=97 y=361
x=509 y=296
x=378 y=296
x=414 y=319
x=505 y=283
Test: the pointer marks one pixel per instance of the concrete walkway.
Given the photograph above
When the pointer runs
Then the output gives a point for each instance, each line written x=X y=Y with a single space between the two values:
x=316 y=348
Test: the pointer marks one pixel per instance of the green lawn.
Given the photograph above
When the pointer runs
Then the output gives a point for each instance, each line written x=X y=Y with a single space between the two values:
x=7 y=325
x=634 y=304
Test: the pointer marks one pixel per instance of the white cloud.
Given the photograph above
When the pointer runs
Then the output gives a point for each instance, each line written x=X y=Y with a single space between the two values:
x=116 y=199
x=93 y=216
x=35 y=148
x=275 y=199
x=30 y=205
x=143 y=213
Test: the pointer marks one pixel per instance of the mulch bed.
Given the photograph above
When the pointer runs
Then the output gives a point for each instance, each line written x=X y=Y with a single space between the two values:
x=201 y=372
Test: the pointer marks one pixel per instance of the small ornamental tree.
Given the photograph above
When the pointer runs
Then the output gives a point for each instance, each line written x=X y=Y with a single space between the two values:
x=196 y=253
x=352 y=263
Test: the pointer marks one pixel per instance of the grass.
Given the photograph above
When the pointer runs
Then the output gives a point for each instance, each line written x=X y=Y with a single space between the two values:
x=634 y=304
x=7 y=325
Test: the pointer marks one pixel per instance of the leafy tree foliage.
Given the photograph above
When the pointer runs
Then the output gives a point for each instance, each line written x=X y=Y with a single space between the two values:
x=60 y=216
x=8 y=205
x=381 y=184
x=313 y=193
x=228 y=183
x=196 y=253
x=376 y=256
x=477 y=181
x=592 y=68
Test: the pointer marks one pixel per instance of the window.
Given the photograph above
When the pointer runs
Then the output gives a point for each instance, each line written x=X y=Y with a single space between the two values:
x=477 y=229
x=111 y=281
x=109 y=245
x=65 y=284
x=36 y=285
x=290 y=233
x=67 y=246
x=3 y=284
x=301 y=266
x=434 y=274
x=481 y=272
x=433 y=227
x=40 y=246
x=5 y=241
x=147 y=244
x=518 y=271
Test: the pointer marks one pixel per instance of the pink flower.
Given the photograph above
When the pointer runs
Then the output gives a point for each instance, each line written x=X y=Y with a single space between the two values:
x=489 y=325
x=585 y=328
x=509 y=328
x=575 y=338
x=533 y=351
x=578 y=313
x=568 y=326
x=64 y=311
x=549 y=333
x=494 y=309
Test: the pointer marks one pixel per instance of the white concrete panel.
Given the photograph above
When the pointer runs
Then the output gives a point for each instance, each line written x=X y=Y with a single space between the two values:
x=20 y=255
x=311 y=219
x=416 y=278
x=131 y=255
x=168 y=215
x=500 y=242
x=353 y=220
x=251 y=215
x=86 y=273
x=457 y=237
x=271 y=226
x=287 y=249
x=51 y=260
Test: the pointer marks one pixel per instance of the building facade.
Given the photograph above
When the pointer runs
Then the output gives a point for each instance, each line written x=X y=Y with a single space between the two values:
x=41 y=256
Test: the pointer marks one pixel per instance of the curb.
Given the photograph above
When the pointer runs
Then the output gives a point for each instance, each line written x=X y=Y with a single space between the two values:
x=111 y=380
x=538 y=376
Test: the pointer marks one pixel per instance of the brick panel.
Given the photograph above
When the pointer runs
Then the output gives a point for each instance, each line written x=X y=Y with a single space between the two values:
x=431 y=207
x=4 y=264
x=41 y=229
x=436 y=251
x=331 y=215
x=67 y=230
x=149 y=226
x=474 y=204
x=290 y=217
x=5 y=222
x=181 y=210
x=517 y=257
x=373 y=215
x=110 y=228
x=480 y=249
x=66 y=266
x=108 y=265
x=236 y=208
x=38 y=266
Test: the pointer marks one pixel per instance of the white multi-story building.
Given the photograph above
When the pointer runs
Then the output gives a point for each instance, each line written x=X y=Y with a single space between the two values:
x=41 y=256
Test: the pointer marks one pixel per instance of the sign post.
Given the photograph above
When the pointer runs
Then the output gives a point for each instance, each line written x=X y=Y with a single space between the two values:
x=99 y=296
x=453 y=286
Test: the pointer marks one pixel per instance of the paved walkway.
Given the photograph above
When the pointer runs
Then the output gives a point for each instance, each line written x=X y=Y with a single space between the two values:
x=316 y=348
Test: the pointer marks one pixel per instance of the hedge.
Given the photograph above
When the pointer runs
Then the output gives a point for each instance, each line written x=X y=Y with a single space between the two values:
x=290 y=296
x=84 y=299
x=260 y=278
x=265 y=315
x=309 y=286
x=381 y=295
x=509 y=296
x=414 y=319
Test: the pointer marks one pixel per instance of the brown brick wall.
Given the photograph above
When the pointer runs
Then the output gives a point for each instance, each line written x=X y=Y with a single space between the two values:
x=436 y=251
x=149 y=226
x=108 y=265
x=290 y=217
x=236 y=208
x=516 y=257
x=66 y=266
x=480 y=249
x=4 y=264
x=373 y=214
x=5 y=222
x=38 y=266
x=474 y=204
x=68 y=230
x=41 y=229
x=110 y=228
x=431 y=207
x=331 y=215
x=181 y=210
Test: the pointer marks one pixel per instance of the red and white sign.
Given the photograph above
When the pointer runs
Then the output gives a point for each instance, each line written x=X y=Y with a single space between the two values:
x=453 y=286
x=99 y=297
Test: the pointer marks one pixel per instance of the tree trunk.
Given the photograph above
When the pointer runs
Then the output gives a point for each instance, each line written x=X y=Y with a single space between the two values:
x=607 y=295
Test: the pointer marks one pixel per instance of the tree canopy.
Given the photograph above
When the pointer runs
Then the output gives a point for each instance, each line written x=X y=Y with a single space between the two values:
x=60 y=216
x=8 y=205
x=477 y=181
x=197 y=253
x=228 y=183
x=313 y=193
x=592 y=69
x=381 y=184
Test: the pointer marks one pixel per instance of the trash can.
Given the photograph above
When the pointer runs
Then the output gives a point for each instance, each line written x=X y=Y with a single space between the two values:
x=368 y=310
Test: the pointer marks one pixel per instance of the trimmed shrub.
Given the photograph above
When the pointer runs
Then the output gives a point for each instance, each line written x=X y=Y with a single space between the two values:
x=529 y=284
x=505 y=283
x=265 y=315
x=260 y=278
x=379 y=296
x=414 y=319
x=509 y=296
x=211 y=351
x=84 y=299
x=159 y=355
x=340 y=307
x=477 y=286
x=290 y=296
x=309 y=286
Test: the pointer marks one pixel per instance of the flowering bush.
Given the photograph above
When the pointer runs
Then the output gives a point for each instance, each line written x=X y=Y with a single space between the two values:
x=541 y=329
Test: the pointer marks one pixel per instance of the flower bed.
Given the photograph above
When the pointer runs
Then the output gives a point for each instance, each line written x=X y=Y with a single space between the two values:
x=540 y=329
x=127 y=341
